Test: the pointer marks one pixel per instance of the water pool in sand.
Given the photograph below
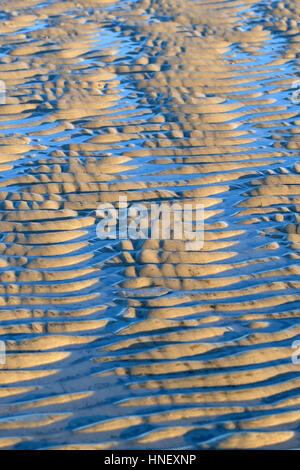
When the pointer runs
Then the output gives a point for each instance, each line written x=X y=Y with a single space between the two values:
x=141 y=344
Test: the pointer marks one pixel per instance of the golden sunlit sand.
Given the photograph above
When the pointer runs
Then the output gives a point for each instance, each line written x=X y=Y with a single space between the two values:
x=146 y=344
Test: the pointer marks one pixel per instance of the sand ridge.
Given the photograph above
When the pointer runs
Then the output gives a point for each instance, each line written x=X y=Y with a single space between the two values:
x=142 y=343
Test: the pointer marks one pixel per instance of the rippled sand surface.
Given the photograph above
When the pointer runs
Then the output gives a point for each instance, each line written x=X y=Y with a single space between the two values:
x=142 y=344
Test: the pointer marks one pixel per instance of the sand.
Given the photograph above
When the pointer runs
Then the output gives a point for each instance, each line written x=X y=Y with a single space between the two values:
x=145 y=344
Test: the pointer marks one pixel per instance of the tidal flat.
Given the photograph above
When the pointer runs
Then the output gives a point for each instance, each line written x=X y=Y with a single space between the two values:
x=144 y=343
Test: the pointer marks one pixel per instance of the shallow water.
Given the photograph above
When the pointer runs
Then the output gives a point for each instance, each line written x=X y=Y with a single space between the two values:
x=142 y=344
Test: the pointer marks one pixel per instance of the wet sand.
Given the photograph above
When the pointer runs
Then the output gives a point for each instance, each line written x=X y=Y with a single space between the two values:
x=143 y=344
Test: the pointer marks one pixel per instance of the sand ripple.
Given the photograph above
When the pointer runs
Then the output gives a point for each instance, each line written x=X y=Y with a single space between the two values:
x=142 y=344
